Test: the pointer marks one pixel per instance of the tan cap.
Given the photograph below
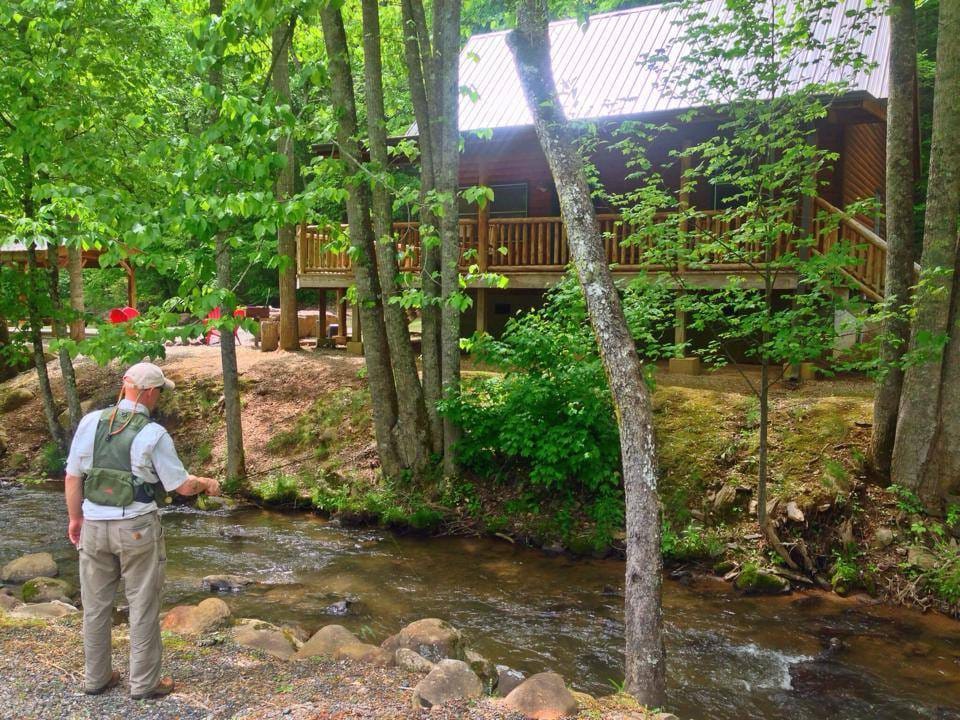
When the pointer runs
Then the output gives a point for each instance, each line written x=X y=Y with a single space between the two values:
x=144 y=376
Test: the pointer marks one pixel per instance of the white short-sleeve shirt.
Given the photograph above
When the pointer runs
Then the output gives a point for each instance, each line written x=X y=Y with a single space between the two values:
x=153 y=459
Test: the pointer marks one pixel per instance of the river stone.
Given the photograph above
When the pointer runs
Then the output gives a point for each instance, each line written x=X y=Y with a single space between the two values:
x=14 y=399
x=225 y=583
x=883 y=537
x=7 y=600
x=45 y=611
x=543 y=696
x=264 y=636
x=196 y=619
x=754 y=581
x=794 y=513
x=364 y=652
x=326 y=641
x=410 y=661
x=433 y=639
x=587 y=702
x=44 y=589
x=921 y=557
x=508 y=679
x=28 y=567
x=449 y=680
x=484 y=669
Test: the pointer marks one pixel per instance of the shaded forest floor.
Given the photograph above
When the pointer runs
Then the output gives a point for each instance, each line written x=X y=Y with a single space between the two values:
x=309 y=445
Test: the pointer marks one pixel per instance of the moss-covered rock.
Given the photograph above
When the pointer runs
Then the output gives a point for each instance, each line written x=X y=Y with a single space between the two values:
x=754 y=581
x=14 y=399
x=45 y=589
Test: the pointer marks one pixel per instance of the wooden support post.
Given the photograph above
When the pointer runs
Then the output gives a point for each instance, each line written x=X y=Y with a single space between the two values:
x=483 y=228
x=682 y=365
x=131 y=283
x=481 y=308
x=356 y=340
x=341 y=337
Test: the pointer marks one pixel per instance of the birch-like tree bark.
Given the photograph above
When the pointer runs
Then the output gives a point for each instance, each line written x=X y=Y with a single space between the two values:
x=901 y=159
x=645 y=665
x=413 y=431
x=286 y=234
x=376 y=351
x=232 y=408
x=421 y=73
x=69 y=377
x=929 y=385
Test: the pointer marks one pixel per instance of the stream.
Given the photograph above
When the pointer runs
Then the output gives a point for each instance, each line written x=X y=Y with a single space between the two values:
x=730 y=657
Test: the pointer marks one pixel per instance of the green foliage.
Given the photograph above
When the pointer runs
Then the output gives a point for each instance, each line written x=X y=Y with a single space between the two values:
x=693 y=542
x=53 y=459
x=845 y=573
x=907 y=500
x=278 y=489
x=550 y=415
x=943 y=580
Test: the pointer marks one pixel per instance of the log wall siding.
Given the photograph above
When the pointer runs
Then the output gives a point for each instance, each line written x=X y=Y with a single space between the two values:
x=864 y=165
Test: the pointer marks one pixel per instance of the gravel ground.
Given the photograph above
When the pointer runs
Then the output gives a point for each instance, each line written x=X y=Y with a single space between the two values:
x=41 y=666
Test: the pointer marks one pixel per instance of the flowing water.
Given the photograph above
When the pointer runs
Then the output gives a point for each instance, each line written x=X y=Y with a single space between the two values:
x=799 y=656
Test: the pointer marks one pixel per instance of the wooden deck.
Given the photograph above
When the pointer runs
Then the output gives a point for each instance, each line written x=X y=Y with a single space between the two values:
x=532 y=252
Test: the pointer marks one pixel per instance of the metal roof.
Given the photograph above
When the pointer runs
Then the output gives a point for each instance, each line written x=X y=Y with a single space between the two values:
x=599 y=71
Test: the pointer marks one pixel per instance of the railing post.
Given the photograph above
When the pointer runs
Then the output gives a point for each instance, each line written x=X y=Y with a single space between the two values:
x=483 y=224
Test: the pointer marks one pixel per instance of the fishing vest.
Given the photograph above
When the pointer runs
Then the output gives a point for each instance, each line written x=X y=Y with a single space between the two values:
x=110 y=480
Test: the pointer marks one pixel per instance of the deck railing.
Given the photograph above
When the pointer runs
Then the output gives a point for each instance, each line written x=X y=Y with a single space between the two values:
x=539 y=244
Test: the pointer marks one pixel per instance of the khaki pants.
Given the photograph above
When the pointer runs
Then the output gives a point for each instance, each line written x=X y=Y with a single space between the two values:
x=133 y=550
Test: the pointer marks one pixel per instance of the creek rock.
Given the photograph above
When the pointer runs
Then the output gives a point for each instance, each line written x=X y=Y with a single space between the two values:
x=45 y=589
x=264 y=636
x=7 y=600
x=338 y=609
x=196 y=619
x=326 y=641
x=28 y=567
x=14 y=399
x=44 y=611
x=921 y=557
x=508 y=679
x=64 y=417
x=450 y=680
x=794 y=513
x=587 y=702
x=365 y=653
x=883 y=537
x=225 y=583
x=433 y=639
x=754 y=581
x=484 y=669
x=543 y=696
x=412 y=662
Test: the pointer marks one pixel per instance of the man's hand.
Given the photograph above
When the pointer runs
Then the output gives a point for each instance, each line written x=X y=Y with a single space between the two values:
x=212 y=486
x=73 y=530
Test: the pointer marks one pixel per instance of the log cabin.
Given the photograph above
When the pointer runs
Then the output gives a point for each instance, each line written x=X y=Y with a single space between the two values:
x=601 y=80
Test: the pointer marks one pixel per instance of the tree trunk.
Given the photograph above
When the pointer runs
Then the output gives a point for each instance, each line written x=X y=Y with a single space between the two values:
x=36 y=341
x=75 y=270
x=901 y=137
x=286 y=234
x=922 y=397
x=420 y=69
x=943 y=472
x=645 y=666
x=236 y=462
x=413 y=426
x=74 y=412
x=7 y=368
x=376 y=351
x=447 y=46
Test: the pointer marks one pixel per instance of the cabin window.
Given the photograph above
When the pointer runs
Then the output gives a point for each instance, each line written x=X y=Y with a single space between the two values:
x=724 y=196
x=509 y=200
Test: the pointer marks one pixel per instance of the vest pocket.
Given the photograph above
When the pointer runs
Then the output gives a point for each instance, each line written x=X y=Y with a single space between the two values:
x=105 y=486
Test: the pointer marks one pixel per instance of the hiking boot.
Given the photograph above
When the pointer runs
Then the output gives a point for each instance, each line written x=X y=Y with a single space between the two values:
x=111 y=683
x=163 y=688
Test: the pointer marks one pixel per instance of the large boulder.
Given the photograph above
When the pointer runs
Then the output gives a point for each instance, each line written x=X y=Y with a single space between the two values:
x=410 y=661
x=543 y=696
x=196 y=619
x=433 y=639
x=450 y=680
x=363 y=652
x=44 y=611
x=45 y=589
x=326 y=641
x=263 y=636
x=508 y=679
x=31 y=566
x=14 y=399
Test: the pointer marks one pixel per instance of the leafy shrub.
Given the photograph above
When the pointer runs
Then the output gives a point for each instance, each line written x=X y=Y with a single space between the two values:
x=943 y=580
x=279 y=489
x=53 y=459
x=550 y=415
x=694 y=542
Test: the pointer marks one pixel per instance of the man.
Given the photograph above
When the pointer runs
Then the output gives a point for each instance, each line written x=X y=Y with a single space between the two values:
x=120 y=465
